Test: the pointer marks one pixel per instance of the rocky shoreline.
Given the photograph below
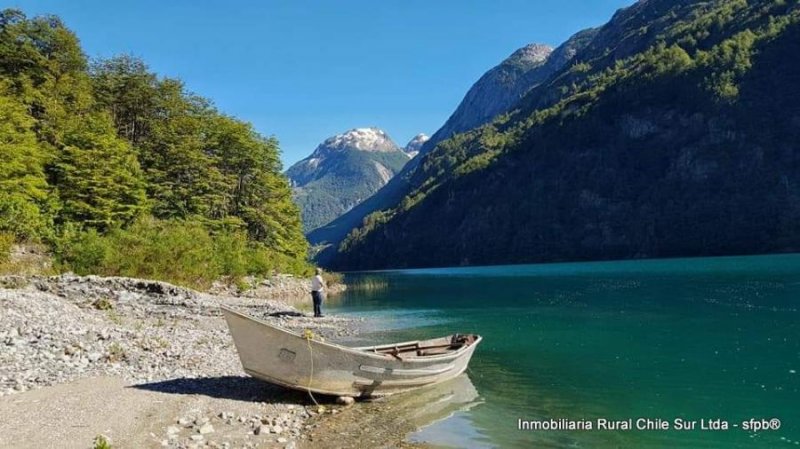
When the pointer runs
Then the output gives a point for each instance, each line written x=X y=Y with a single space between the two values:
x=281 y=287
x=154 y=337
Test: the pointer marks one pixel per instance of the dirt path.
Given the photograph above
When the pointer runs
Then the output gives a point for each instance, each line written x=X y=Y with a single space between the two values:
x=72 y=415
x=146 y=416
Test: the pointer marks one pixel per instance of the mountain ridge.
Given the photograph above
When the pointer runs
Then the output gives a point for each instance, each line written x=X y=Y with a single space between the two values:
x=330 y=235
x=660 y=139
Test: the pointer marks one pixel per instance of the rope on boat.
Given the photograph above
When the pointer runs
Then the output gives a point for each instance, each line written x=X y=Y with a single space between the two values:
x=310 y=336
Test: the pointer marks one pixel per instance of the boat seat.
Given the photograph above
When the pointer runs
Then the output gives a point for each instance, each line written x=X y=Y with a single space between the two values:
x=433 y=351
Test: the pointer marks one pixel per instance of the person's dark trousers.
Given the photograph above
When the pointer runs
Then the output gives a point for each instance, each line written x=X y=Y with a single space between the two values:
x=317 y=297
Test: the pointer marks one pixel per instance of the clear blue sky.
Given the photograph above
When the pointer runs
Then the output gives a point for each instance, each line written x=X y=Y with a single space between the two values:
x=305 y=70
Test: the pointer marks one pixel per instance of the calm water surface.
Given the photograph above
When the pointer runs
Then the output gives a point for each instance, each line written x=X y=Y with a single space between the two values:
x=710 y=338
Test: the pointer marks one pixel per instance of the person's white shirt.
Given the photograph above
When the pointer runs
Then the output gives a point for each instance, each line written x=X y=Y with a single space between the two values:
x=317 y=283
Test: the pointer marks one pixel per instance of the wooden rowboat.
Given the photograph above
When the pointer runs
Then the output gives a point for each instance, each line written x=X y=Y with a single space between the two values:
x=282 y=357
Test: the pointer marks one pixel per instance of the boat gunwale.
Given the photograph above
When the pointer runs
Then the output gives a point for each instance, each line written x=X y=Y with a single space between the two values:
x=373 y=355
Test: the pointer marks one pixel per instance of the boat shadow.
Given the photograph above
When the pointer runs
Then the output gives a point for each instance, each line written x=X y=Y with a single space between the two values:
x=238 y=388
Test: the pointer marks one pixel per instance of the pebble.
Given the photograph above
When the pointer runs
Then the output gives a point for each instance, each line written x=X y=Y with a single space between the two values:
x=345 y=400
x=152 y=335
x=201 y=421
x=50 y=333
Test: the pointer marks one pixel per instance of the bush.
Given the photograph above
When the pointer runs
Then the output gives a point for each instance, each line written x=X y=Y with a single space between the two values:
x=176 y=251
x=81 y=251
x=232 y=254
x=21 y=217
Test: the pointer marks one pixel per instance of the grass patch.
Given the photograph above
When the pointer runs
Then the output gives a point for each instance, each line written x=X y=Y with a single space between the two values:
x=114 y=317
x=33 y=260
x=103 y=304
x=116 y=352
x=101 y=442
x=369 y=284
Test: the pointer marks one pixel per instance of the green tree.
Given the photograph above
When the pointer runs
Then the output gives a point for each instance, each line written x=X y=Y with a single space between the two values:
x=98 y=178
x=116 y=156
x=124 y=87
x=45 y=68
x=672 y=60
x=24 y=192
x=259 y=194
x=182 y=176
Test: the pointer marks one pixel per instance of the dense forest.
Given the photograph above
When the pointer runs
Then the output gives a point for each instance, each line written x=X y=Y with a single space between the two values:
x=121 y=172
x=674 y=132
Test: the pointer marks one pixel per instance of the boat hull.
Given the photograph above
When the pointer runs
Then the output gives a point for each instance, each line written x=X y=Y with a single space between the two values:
x=282 y=357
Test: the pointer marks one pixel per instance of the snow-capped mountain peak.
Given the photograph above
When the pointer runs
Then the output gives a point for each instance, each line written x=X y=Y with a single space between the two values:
x=413 y=146
x=360 y=139
x=343 y=171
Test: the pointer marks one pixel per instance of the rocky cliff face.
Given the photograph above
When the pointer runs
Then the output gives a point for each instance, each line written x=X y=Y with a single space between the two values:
x=342 y=171
x=497 y=90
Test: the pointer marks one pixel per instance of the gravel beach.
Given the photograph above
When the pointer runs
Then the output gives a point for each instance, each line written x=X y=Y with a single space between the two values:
x=143 y=363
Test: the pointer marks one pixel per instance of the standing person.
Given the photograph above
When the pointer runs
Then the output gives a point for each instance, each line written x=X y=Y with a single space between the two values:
x=317 y=291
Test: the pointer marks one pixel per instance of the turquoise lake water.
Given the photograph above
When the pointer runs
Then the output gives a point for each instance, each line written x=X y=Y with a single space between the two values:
x=695 y=339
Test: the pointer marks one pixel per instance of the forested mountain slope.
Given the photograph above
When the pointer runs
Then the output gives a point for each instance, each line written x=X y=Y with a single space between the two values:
x=674 y=132
x=496 y=92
